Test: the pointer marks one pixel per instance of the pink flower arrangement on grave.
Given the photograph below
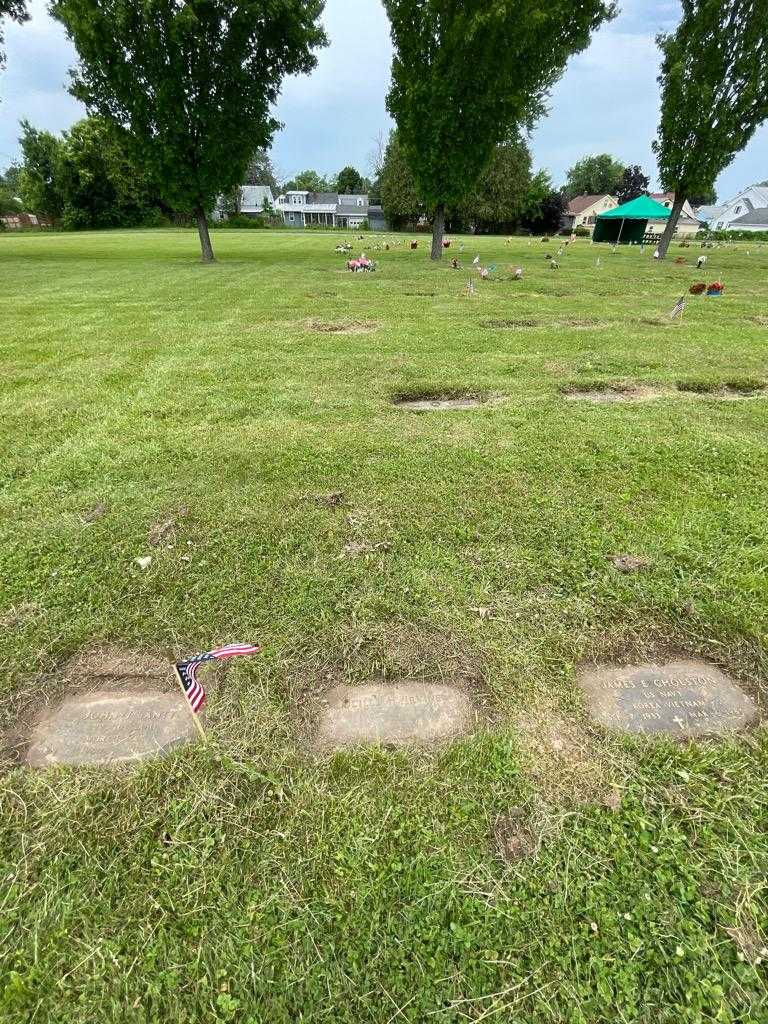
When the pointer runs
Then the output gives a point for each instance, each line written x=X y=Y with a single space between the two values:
x=716 y=288
x=363 y=263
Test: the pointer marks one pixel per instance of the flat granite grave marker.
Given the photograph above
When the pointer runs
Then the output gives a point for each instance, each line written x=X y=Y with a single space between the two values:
x=403 y=714
x=111 y=727
x=681 y=699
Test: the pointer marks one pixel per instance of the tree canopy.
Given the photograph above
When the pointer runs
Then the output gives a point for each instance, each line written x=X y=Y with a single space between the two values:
x=350 y=182
x=261 y=172
x=85 y=179
x=399 y=193
x=309 y=181
x=634 y=183
x=498 y=201
x=17 y=11
x=192 y=82
x=545 y=205
x=465 y=75
x=714 y=85
x=598 y=175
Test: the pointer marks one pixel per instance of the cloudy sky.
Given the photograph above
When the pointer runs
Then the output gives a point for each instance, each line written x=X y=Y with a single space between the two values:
x=607 y=101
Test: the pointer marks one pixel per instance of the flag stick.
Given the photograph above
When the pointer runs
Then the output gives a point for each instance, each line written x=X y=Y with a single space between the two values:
x=195 y=718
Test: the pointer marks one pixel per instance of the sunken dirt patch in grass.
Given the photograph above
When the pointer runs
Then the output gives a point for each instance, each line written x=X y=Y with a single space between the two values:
x=511 y=325
x=602 y=393
x=725 y=390
x=438 y=400
x=342 y=326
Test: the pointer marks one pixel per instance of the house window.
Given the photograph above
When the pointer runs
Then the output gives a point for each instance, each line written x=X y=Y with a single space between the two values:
x=291 y=217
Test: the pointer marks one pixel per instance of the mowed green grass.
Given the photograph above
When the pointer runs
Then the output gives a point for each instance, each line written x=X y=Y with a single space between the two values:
x=254 y=881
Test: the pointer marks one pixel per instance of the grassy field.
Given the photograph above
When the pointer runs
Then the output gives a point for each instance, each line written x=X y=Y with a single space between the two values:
x=252 y=880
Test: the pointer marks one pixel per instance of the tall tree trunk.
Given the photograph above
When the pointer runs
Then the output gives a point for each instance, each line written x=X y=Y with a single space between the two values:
x=438 y=230
x=671 y=228
x=205 y=239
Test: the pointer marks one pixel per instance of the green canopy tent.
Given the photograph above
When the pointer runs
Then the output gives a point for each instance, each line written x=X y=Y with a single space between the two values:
x=627 y=223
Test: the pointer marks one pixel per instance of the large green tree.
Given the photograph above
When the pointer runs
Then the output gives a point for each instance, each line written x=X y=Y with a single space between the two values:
x=191 y=82
x=350 y=182
x=544 y=205
x=464 y=75
x=84 y=179
x=309 y=181
x=598 y=175
x=102 y=188
x=634 y=183
x=40 y=181
x=399 y=193
x=498 y=201
x=714 y=84
x=9 y=191
x=17 y=11
x=261 y=172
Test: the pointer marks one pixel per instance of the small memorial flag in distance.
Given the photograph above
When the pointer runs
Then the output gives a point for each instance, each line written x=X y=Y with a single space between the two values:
x=677 y=311
x=187 y=670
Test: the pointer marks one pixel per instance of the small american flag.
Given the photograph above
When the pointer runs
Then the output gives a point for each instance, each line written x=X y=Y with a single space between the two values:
x=677 y=311
x=187 y=670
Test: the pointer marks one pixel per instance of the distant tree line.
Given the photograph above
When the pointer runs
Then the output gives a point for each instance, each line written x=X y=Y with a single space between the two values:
x=508 y=196
x=182 y=97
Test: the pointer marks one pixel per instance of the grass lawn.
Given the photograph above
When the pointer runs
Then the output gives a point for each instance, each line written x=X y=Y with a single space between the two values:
x=252 y=880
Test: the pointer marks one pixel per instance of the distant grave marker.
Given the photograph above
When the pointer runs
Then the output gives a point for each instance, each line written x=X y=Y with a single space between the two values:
x=681 y=699
x=111 y=727
x=402 y=714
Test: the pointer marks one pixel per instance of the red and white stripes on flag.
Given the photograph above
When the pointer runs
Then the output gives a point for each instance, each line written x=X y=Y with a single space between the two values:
x=187 y=670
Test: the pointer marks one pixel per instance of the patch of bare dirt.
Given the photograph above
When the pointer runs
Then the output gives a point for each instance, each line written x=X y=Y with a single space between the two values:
x=360 y=548
x=565 y=762
x=161 y=532
x=749 y=943
x=628 y=564
x=333 y=500
x=437 y=401
x=582 y=323
x=92 y=515
x=511 y=325
x=611 y=393
x=342 y=327
x=513 y=836
x=17 y=615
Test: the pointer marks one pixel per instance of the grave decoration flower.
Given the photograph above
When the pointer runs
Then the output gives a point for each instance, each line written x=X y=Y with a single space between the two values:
x=446 y=243
x=363 y=264
x=716 y=288
x=698 y=289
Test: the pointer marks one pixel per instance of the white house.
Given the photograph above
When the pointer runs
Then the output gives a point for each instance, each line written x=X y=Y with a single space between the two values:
x=329 y=209
x=746 y=203
x=583 y=211
x=688 y=225
x=256 y=200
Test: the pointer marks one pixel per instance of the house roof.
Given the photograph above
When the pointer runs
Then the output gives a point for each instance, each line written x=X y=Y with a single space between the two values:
x=755 y=217
x=709 y=212
x=351 y=211
x=322 y=197
x=253 y=196
x=642 y=208
x=581 y=203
